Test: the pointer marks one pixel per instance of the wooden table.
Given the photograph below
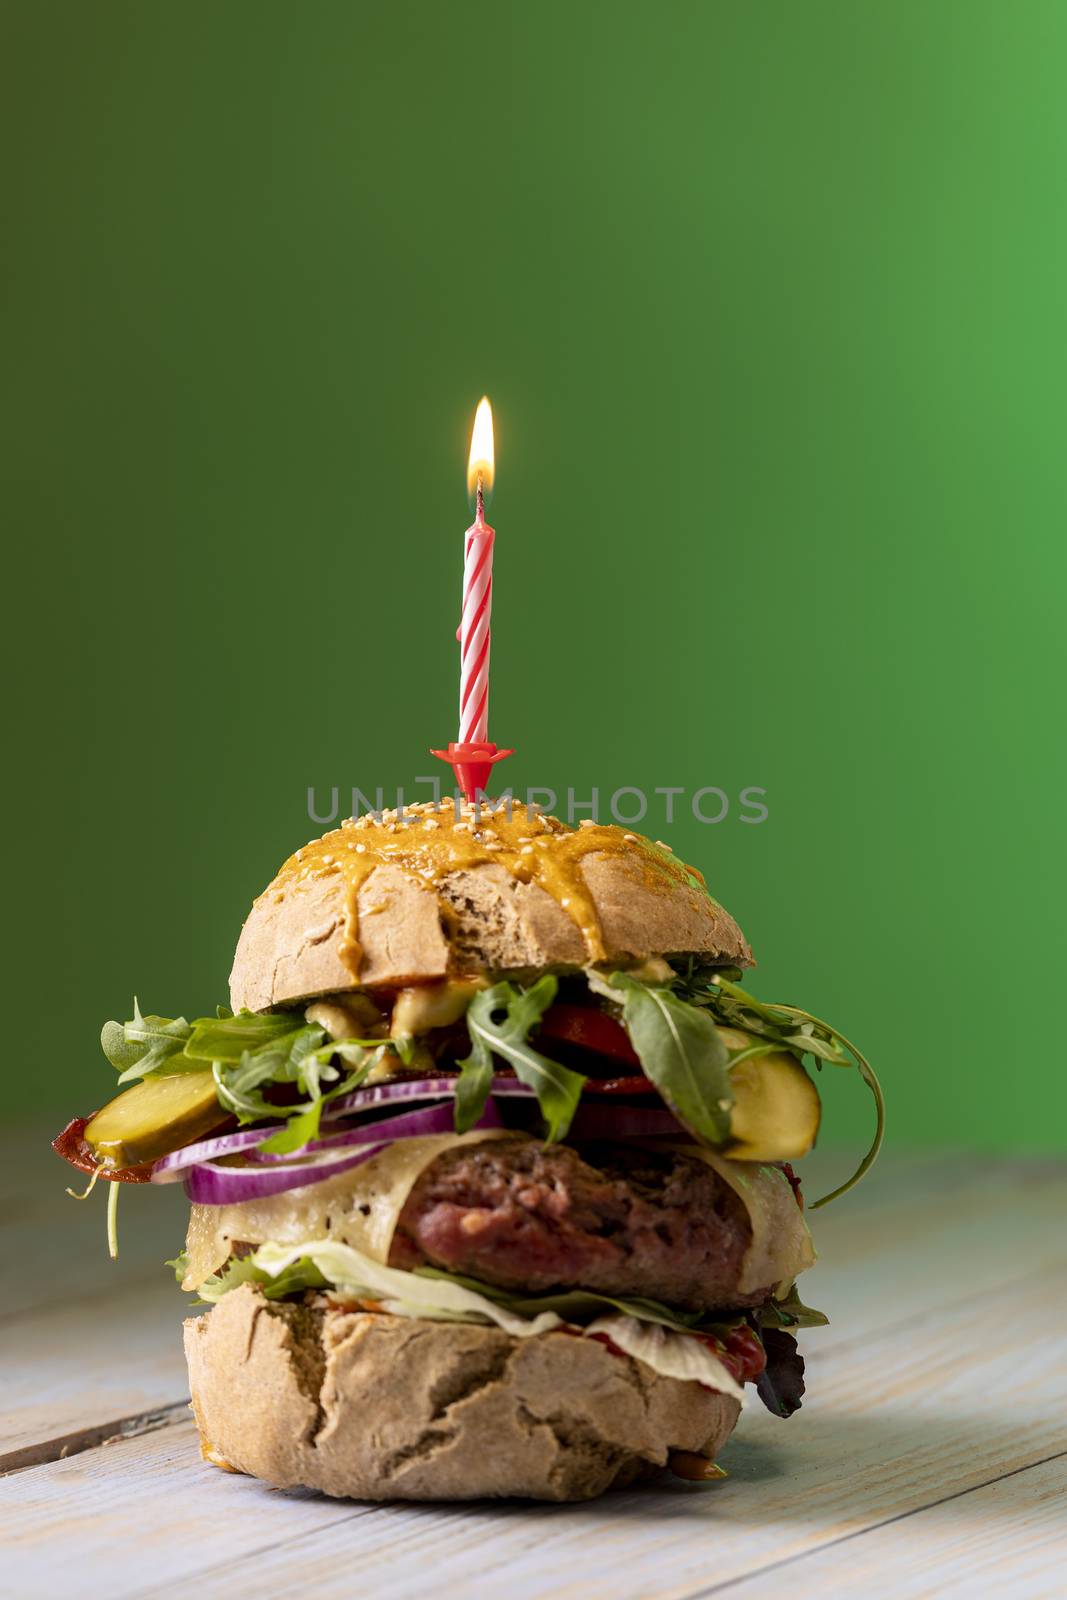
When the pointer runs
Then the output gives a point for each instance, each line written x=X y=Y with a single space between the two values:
x=930 y=1458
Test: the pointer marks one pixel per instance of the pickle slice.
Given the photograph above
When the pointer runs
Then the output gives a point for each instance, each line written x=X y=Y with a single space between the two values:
x=776 y=1110
x=153 y=1118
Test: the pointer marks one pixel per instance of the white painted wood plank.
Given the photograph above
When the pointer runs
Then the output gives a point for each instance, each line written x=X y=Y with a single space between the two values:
x=84 y=1340
x=93 y=1359
x=931 y=1236
x=895 y=1423
x=116 y=1519
x=1008 y=1539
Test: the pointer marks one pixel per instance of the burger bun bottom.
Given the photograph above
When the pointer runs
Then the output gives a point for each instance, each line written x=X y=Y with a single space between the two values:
x=369 y=1406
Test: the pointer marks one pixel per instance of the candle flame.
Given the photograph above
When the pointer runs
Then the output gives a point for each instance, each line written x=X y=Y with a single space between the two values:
x=482 y=462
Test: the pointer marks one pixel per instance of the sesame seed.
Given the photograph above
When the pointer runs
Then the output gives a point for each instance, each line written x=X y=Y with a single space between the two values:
x=430 y=823
x=587 y=822
x=327 y=861
x=527 y=850
x=361 y=849
x=631 y=838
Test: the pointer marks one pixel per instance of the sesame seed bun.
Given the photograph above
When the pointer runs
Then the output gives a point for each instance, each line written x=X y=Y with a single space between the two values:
x=393 y=901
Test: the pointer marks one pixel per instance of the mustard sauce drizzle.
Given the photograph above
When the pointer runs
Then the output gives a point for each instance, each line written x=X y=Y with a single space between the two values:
x=429 y=842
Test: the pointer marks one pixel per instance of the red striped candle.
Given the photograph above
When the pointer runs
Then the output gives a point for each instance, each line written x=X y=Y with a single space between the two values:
x=477 y=589
x=473 y=756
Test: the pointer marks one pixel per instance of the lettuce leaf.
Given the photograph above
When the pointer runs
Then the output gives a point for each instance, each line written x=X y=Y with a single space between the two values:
x=405 y=1294
x=315 y=1263
x=574 y=1306
x=672 y=1354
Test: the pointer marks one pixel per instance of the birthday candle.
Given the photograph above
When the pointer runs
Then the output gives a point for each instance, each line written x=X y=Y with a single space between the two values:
x=474 y=636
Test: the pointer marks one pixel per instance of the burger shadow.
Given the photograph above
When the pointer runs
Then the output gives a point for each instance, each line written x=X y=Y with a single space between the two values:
x=862 y=1462
x=830 y=1467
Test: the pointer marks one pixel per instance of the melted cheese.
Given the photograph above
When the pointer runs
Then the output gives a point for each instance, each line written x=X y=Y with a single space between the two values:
x=360 y=1207
x=781 y=1245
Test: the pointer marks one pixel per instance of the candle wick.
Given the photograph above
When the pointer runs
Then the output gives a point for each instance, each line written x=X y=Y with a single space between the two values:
x=479 y=515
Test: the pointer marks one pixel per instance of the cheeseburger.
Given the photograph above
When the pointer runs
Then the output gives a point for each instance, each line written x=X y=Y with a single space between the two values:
x=490 y=1160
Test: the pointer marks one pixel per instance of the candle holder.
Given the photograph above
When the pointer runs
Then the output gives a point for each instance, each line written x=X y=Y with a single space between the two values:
x=472 y=764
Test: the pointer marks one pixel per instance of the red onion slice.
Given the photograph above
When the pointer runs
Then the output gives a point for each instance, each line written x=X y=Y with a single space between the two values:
x=212 y=1185
x=383 y=1094
x=172 y=1168
x=196 y=1163
x=408 y=1125
x=208 y=1184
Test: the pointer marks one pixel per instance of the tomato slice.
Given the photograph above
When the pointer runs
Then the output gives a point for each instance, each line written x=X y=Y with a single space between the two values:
x=590 y=1030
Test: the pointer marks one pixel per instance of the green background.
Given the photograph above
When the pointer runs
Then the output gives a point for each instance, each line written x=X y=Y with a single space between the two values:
x=770 y=301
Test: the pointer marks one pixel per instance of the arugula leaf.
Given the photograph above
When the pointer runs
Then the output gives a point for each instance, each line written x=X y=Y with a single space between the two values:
x=298 y=1131
x=789 y=1312
x=227 y=1038
x=302 y=1058
x=302 y=1275
x=145 y=1045
x=577 y=1305
x=180 y=1265
x=473 y=1084
x=280 y=1061
x=238 y=1088
x=244 y=1054
x=557 y=1088
x=682 y=1054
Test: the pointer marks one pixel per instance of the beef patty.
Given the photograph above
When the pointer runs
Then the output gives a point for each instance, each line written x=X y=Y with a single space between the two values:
x=620 y=1220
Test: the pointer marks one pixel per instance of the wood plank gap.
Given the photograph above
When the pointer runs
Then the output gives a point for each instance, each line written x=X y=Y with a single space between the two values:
x=732 y=1584
x=102 y=1433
